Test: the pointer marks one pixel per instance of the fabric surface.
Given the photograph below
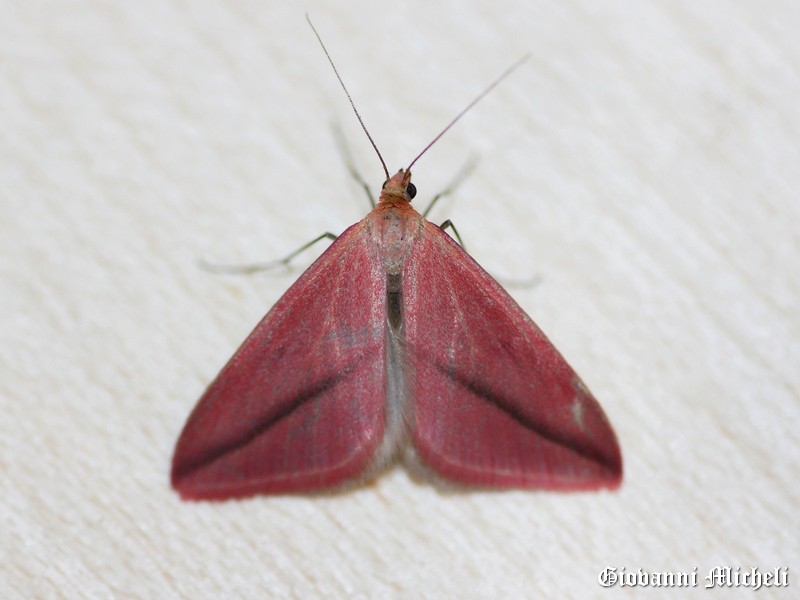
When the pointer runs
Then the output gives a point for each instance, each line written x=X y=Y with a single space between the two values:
x=643 y=164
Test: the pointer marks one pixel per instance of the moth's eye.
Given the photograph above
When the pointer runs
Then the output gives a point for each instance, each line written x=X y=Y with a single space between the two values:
x=411 y=190
x=384 y=184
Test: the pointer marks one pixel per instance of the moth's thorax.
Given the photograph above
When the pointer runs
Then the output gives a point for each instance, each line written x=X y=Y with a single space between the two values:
x=395 y=223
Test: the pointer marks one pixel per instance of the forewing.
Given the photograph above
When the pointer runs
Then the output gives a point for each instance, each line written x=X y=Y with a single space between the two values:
x=300 y=405
x=494 y=403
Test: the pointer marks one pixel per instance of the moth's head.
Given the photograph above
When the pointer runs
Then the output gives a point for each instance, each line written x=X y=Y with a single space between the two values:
x=398 y=187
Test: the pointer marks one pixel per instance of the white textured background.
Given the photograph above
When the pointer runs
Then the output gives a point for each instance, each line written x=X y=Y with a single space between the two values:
x=645 y=163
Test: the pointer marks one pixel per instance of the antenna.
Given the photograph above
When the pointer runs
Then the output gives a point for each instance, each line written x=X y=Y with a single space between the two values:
x=491 y=86
x=352 y=104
